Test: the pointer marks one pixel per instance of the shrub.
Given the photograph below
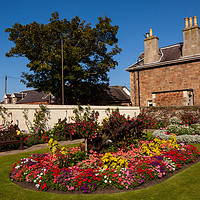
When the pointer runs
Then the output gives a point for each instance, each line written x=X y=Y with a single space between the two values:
x=172 y=128
x=180 y=138
x=196 y=128
x=189 y=118
x=150 y=122
x=65 y=157
x=174 y=120
x=57 y=132
x=121 y=131
x=185 y=130
x=180 y=129
x=85 y=123
x=35 y=138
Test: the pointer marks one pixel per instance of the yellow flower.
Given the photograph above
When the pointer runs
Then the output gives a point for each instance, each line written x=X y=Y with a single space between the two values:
x=63 y=150
x=18 y=132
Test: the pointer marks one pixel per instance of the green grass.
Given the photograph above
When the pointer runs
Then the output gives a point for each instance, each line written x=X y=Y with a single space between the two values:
x=182 y=186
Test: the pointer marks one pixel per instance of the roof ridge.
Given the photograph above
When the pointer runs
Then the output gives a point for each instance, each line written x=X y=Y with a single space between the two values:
x=173 y=45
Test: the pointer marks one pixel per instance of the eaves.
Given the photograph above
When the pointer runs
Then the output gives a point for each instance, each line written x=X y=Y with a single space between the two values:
x=165 y=63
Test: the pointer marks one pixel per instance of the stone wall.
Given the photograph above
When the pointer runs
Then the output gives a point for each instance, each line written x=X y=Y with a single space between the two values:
x=180 y=76
x=57 y=112
x=165 y=113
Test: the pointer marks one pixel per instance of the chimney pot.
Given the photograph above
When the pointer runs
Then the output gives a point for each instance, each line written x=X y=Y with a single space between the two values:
x=190 y=21
x=195 y=20
x=147 y=34
x=151 y=32
x=186 y=22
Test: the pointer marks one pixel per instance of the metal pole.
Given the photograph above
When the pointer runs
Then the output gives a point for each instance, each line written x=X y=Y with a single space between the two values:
x=5 y=84
x=63 y=100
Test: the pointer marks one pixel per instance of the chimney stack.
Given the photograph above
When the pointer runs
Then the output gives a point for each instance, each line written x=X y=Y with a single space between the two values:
x=151 y=48
x=191 y=37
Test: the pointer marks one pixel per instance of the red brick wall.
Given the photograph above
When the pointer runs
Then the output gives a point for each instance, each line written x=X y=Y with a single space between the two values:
x=168 y=78
x=169 y=99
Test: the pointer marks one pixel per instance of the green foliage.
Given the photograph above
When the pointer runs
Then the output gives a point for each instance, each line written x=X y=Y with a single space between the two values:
x=70 y=159
x=180 y=129
x=3 y=112
x=38 y=128
x=57 y=132
x=121 y=131
x=148 y=136
x=150 y=122
x=41 y=117
x=88 y=56
x=32 y=139
x=196 y=128
x=189 y=118
x=174 y=120
x=65 y=158
x=85 y=124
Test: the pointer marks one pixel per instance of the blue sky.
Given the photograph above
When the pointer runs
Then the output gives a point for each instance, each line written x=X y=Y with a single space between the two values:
x=134 y=19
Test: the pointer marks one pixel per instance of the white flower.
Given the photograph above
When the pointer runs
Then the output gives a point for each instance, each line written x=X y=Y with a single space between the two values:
x=110 y=181
x=34 y=181
x=105 y=176
x=105 y=181
x=17 y=167
x=37 y=185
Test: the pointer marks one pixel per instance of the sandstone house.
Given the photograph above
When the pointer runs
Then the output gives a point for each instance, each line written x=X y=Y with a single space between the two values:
x=168 y=76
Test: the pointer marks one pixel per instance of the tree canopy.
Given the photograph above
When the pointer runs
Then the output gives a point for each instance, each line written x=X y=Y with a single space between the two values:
x=88 y=56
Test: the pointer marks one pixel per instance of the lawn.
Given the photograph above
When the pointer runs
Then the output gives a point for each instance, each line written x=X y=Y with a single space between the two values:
x=184 y=185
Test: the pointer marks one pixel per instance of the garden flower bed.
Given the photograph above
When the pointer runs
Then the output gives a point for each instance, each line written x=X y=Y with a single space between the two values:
x=163 y=134
x=71 y=169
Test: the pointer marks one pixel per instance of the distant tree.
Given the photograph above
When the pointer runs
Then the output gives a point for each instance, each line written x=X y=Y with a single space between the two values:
x=88 y=56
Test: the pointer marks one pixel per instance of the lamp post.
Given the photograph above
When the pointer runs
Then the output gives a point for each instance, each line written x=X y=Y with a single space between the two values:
x=63 y=94
x=62 y=75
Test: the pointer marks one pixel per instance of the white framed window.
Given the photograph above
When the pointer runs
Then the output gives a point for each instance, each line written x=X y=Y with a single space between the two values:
x=150 y=103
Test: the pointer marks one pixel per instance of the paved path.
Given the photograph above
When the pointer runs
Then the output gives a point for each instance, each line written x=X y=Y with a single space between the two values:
x=43 y=146
x=39 y=146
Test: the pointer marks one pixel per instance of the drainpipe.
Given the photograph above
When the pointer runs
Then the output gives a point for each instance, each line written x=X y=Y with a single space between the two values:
x=135 y=90
x=138 y=89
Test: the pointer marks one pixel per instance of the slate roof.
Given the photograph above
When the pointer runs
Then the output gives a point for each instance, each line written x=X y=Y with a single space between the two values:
x=168 y=53
x=114 y=94
x=19 y=95
x=31 y=96
x=117 y=94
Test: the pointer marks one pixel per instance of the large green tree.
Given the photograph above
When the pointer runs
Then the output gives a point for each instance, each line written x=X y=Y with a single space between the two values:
x=88 y=56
